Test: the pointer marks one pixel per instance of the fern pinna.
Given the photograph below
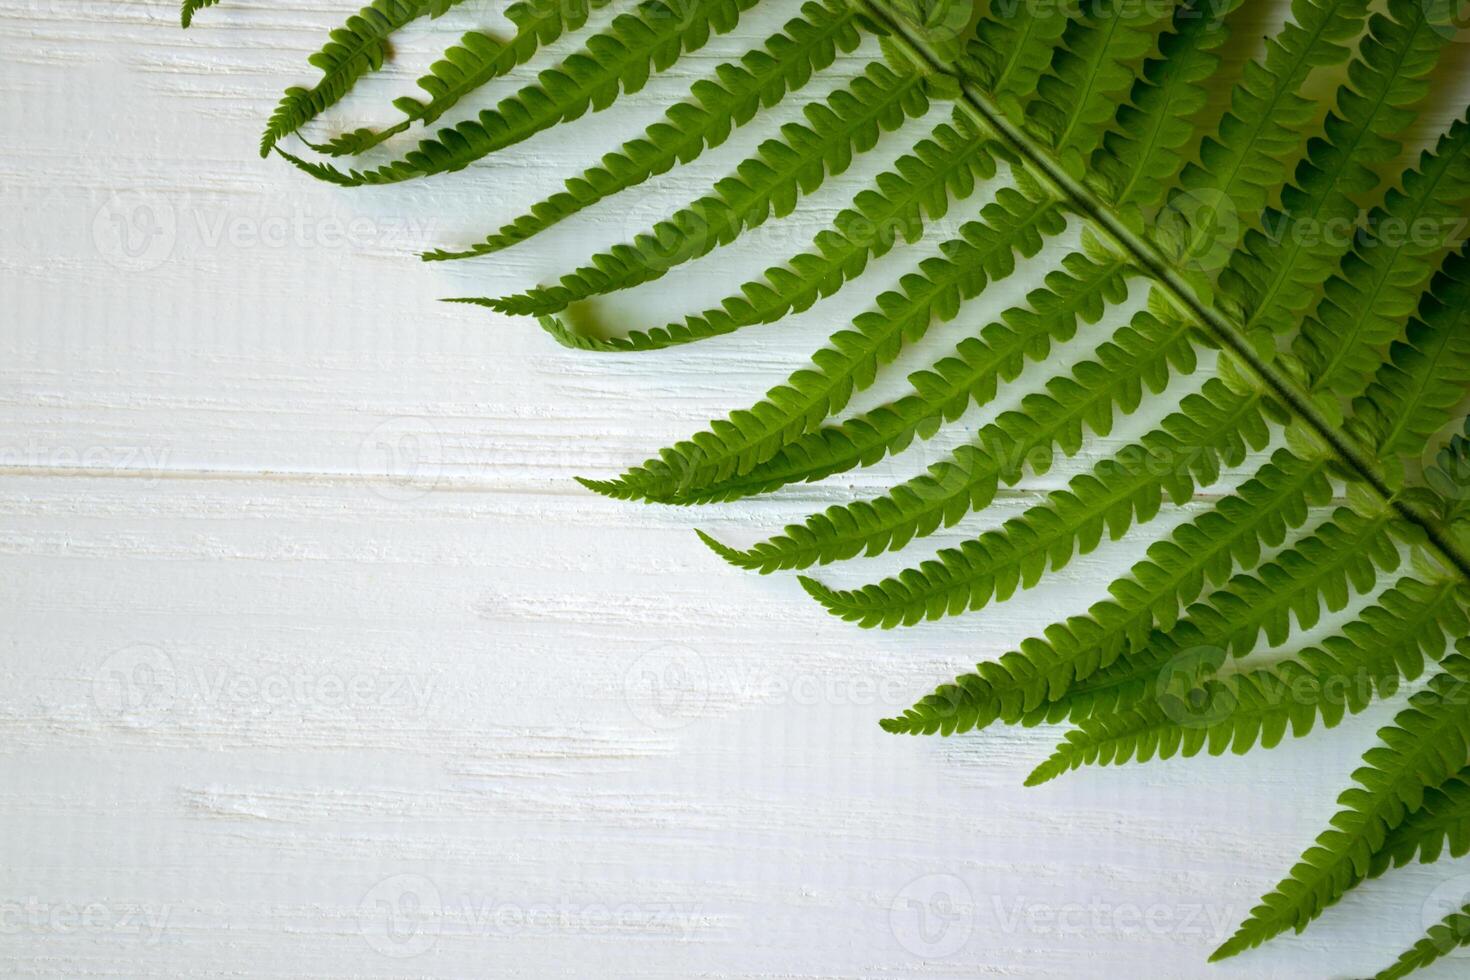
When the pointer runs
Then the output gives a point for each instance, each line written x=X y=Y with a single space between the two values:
x=1343 y=356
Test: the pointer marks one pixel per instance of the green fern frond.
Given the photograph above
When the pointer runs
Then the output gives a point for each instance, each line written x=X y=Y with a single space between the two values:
x=766 y=185
x=476 y=61
x=1427 y=744
x=1013 y=224
x=718 y=105
x=616 y=62
x=1442 y=939
x=1236 y=711
x=1428 y=372
x=1098 y=112
x=1213 y=427
x=920 y=186
x=1275 y=276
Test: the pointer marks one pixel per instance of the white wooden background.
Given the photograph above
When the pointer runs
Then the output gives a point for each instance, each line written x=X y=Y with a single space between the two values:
x=317 y=662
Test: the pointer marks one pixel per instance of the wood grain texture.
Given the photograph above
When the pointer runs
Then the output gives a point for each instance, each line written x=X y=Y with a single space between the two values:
x=319 y=664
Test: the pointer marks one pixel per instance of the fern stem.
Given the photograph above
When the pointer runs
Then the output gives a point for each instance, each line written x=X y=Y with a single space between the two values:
x=1151 y=260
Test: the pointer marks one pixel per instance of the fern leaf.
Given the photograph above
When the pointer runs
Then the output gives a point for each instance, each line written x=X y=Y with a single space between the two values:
x=1379 y=282
x=1424 y=747
x=1081 y=289
x=1183 y=453
x=191 y=7
x=1013 y=45
x=1141 y=155
x=765 y=185
x=1014 y=224
x=617 y=61
x=354 y=50
x=1139 y=355
x=1428 y=372
x=731 y=99
x=1066 y=674
x=919 y=187
x=1237 y=711
x=1091 y=69
x=1239 y=167
x=476 y=61
x=480 y=59
x=1274 y=277
x=1442 y=939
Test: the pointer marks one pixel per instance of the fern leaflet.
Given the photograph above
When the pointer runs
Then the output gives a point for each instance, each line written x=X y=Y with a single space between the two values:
x=971 y=375
x=1379 y=282
x=355 y=49
x=920 y=186
x=1139 y=355
x=617 y=61
x=1274 y=279
x=1215 y=426
x=1238 y=167
x=1237 y=711
x=191 y=7
x=1142 y=151
x=477 y=60
x=1077 y=98
x=1415 y=754
x=1014 y=224
x=1443 y=938
x=768 y=184
x=1416 y=390
x=1065 y=675
x=762 y=78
